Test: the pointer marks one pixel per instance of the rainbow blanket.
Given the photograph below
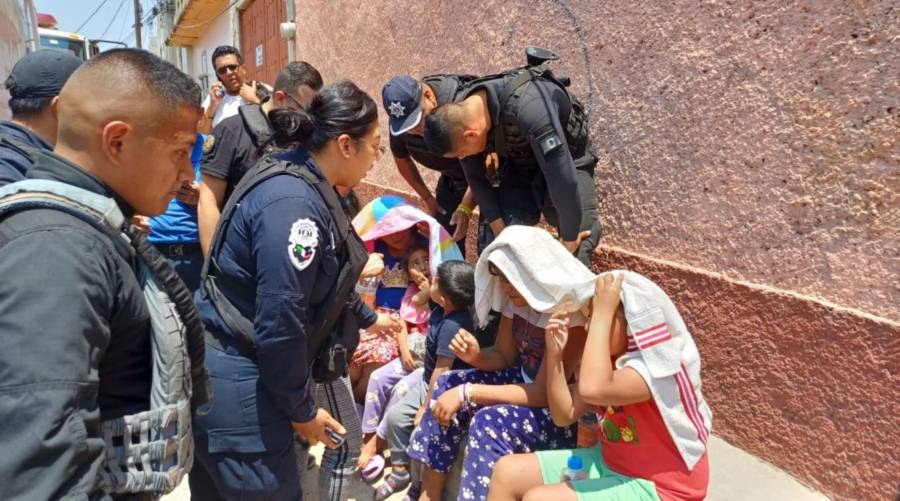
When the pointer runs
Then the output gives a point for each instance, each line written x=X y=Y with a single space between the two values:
x=391 y=214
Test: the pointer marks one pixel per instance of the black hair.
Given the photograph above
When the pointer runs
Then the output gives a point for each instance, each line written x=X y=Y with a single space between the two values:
x=224 y=50
x=415 y=247
x=440 y=127
x=298 y=73
x=456 y=281
x=159 y=78
x=26 y=107
x=339 y=108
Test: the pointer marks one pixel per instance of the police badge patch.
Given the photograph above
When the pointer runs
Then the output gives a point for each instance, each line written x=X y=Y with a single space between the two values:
x=304 y=238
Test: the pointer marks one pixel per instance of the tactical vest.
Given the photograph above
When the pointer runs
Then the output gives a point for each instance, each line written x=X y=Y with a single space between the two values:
x=327 y=339
x=150 y=451
x=510 y=143
x=258 y=127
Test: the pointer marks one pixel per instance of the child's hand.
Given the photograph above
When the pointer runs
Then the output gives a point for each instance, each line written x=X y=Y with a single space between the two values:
x=446 y=406
x=465 y=346
x=419 y=414
x=557 y=333
x=409 y=363
x=387 y=324
x=419 y=279
x=606 y=292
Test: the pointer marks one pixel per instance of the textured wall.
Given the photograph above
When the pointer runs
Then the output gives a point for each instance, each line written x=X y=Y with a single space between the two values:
x=748 y=141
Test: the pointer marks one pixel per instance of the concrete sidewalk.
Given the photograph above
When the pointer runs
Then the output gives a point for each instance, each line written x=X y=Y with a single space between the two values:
x=735 y=476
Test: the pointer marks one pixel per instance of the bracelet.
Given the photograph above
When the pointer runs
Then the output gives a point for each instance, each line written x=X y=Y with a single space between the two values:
x=465 y=210
x=462 y=395
x=469 y=402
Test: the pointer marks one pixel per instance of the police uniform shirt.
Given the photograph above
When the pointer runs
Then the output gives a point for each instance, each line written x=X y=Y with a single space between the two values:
x=230 y=152
x=76 y=343
x=539 y=121
x=410 y=145
x=279 y=250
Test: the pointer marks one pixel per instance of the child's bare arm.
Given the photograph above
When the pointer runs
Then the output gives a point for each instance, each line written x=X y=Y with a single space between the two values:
x=598 y=382
x=565 y=405
x=421 y=298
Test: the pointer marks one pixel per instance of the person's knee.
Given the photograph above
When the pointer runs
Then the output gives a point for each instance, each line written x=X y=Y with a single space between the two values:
x=503 y=471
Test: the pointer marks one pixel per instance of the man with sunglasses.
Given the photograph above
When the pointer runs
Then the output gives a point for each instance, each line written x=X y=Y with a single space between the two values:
x=230 y=91
x=240 y=140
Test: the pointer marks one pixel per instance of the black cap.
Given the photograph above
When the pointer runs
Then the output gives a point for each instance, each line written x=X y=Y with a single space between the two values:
x=402 y=98
x=41 y=74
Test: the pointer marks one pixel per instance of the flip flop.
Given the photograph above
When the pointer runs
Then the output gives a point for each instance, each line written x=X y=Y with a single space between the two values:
x=373 y=469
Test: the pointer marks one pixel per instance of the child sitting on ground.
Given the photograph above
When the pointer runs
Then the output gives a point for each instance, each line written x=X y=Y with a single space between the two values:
x=453 y=292
x=389 y=382
x=641 y=371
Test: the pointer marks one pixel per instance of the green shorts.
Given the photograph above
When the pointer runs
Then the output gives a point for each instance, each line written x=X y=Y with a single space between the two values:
x=602 y=483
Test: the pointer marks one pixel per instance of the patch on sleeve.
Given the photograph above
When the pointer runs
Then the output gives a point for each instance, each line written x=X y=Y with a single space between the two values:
x=549 y=142
x=304 y=239
x=208 y=143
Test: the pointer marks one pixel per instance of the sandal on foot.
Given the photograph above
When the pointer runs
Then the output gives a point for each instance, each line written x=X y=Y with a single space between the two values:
x=373 y=468
x=393 y=483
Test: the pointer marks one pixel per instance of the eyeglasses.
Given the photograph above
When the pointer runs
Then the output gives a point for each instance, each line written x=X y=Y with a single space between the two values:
x=221 y=70
x=379 y=149
x=295 y=100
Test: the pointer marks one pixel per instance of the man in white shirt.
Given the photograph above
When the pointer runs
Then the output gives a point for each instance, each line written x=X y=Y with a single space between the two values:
x=231 y=91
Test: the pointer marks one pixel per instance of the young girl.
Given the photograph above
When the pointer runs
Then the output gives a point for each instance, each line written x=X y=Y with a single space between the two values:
x=502 y=403
x=641 y=370
x=453 y=292
x=390 y=381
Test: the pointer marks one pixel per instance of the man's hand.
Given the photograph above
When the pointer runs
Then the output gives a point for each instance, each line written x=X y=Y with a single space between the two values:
x=465 y=346
x=434 y=209
x=248 y=92
x=447 y=406
x=460 y=220
x=142 y=223
x=189 y=193
x=572 y=245
x=374 y=266
x=215 y=90
x=313 y=431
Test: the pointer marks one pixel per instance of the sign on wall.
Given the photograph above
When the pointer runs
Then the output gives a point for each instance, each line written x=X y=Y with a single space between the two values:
x=259 y=55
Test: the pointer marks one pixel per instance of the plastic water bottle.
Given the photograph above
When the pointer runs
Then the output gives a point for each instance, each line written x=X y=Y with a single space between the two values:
x=366 y=288
x=574 y=470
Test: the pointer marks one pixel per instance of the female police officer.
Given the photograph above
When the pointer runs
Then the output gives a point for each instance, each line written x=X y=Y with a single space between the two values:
x=275 y=280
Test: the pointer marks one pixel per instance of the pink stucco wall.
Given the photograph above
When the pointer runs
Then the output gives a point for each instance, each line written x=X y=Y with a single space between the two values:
x=750 y=163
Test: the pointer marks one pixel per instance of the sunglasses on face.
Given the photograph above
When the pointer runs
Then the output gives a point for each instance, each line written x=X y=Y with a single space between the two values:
x=222 y=70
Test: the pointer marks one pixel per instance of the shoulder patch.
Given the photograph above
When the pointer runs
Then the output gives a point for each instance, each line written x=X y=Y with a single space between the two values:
x=303 y=242
x=208 y=143
x=549 y=142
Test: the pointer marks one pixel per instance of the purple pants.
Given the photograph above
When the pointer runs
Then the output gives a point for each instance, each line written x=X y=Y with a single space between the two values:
x=387 y=384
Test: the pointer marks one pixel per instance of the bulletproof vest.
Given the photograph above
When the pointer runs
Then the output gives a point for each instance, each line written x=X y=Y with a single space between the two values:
x=150 y=451
x=23 y=149
x=332 y=325
x=445 y=93
x=510 y=143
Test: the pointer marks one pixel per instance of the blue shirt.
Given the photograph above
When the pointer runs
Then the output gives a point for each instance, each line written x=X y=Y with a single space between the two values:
x=14 y=163
x=178 y=225
x=441 y=330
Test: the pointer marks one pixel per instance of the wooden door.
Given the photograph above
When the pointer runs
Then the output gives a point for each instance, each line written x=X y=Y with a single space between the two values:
x=265 y=52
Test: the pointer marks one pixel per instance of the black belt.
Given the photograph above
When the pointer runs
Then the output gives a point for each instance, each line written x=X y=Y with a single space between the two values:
x=178 y=250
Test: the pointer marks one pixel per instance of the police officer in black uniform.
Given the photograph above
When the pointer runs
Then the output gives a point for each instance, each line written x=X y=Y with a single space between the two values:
x=33 y=84
x=540 y=132
x=75 y=327
x=277 y=299
x=239 y=141
x=407 y=101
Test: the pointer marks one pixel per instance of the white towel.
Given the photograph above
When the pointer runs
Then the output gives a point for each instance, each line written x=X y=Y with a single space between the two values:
x=546 y=274
x=662 y=351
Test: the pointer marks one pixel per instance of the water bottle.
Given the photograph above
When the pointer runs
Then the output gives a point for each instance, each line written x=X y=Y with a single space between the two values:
x=366 y=288
x=574 y=470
